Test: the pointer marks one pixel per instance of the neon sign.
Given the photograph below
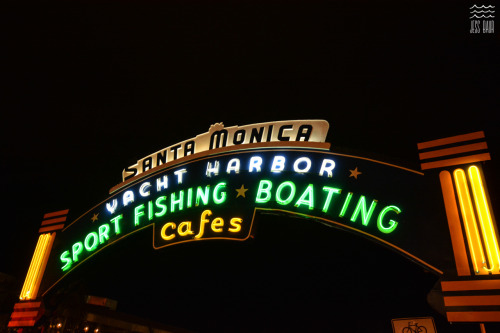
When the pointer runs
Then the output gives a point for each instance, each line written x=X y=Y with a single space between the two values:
x=217 y=197
x=213 y=187
x=218 y=136
x=218 y=194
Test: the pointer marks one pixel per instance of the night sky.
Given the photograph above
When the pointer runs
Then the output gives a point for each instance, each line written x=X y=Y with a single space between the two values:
x=89 y=88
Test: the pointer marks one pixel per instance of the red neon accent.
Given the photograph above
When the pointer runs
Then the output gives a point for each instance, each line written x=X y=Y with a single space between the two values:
x=27 y=305
x=21 y=323
x=451 y=139
x=453 y=150
x=51 y=228
x=56 y=220
x=469 y=316
x=470 y=285
x=456 y=161
x=58 y=213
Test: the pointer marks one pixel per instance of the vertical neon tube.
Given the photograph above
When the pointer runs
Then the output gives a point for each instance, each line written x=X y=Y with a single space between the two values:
x=37 y=267
x=346 y=203
x=29 y=276
x=457 y=238
x=470 y=223
x=485 y=220
x=43 y=264
x=38 y=263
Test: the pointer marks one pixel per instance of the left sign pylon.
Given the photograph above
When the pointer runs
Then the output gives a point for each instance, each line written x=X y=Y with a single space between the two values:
x=29 y=310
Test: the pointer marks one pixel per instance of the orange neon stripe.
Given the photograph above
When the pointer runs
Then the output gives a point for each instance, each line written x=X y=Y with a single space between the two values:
x=450 y=140
x=469 y=316
x=456 y=161
x=55 y=220
x=58 y=213
x=472 y=300
x=24 y=314
x=20 y=323
x=485 y=220
x=453 y=150
x=51 y=228
x=27 y=305
x=457 y=240
x=473 y=237
x=470 y=285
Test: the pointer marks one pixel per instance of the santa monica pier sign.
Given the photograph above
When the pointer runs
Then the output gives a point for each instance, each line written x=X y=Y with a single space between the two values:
x=214 y=187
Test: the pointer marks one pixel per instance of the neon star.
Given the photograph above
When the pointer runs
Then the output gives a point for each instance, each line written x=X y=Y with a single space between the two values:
x=355 y=173
x=95 y=217
x=241 y=191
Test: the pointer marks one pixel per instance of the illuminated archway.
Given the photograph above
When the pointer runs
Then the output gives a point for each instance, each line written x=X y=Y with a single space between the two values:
x=211 y=187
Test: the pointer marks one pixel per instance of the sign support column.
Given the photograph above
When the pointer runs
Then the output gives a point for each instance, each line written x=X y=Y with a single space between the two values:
x=29 y=309
x=472 y=226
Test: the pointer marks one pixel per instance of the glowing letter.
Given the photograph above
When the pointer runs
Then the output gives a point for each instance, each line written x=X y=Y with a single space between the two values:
x=163 y=207
x=212 y=169
x=290 y=196
x=189 y=148
x=264 y=188
x=392 y=224
x=328 y=166
x=95 y=241
x=138 y=212
x=164 y=231
x=111 y=208
x=179 y=174
x=179 y=201
x=189 y=201
x=346 y=203
x=307 y=197
x=217 y=224
x=146 y=164
x=305 y=160
x=239 y=137
x=150 y=210
x=77 y=248
x=218 y=199
x=235 y=224
x=218 y=139
x=128 y=197
x=144 y=189
x=255 y=163
x=203 y=221
x=282 y=129
x=278 y=164
x=116 y=221
x=185 y=229
x=103 y=233
x=161 y=184
x=304 y=132
x=361 y=207
x=203 y=194
x=66 y=260
x=331 y=191
x=233 y=165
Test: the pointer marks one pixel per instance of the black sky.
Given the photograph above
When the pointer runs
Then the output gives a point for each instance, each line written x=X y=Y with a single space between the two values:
x=90 y=87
